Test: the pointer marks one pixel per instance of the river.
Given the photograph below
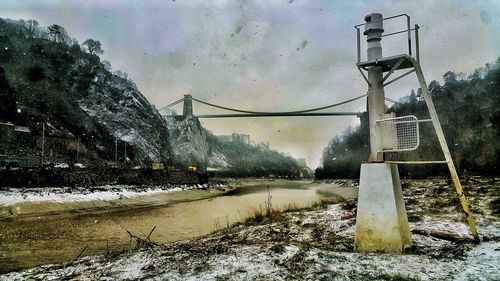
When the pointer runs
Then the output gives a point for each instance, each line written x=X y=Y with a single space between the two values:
x=59 y=236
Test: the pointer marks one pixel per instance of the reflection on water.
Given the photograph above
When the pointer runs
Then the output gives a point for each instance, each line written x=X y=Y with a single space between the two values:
x=30 y=242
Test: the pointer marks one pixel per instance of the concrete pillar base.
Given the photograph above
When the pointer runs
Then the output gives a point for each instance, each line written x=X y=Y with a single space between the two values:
x=381 y=220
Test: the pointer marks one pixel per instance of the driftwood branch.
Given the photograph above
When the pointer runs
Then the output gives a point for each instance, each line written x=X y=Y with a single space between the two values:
x=80 y=254
x=140 y=241
x=441 y=234
x=151 y=232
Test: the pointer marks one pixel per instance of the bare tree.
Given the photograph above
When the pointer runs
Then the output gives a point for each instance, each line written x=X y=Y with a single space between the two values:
x=58 y=34
x=106 y=64
x=74 y=41
x=93 y=46
x=31 y=28
x=118 y=73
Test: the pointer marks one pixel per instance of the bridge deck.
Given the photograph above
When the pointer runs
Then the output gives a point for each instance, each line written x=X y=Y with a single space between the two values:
x=236 y=115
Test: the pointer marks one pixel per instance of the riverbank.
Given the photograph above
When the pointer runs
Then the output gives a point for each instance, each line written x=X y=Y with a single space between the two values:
x=50 y=201
x=56 y=223
x=28 y=202
x=316 y=243
x=16 y=202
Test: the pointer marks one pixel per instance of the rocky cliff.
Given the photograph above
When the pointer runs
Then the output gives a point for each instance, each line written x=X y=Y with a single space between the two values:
x=190 y=144
x=54 y=87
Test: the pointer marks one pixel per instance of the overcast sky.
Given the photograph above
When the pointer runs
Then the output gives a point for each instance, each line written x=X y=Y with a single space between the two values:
x=268 y=55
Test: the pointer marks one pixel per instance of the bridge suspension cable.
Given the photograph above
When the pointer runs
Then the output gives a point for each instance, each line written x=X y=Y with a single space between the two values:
x=392 y=100
x=317 y=111
x=172 y=104
x=267 y=112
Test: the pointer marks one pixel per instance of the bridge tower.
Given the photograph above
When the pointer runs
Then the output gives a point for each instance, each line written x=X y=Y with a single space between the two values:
x=187 y=109
x=381 y=220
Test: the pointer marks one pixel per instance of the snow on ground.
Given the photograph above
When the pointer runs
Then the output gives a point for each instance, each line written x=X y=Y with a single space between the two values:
x=104 y=193
x=313 y=244
x=481 y=263
x=278 y=251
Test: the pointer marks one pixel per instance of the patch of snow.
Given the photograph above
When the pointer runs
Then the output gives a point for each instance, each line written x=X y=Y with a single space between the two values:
x=428 y=223
x=482 y=263
x=290 y=251
x=334 y=211
x=61 y=195
x=352 y=266
x=130 y=268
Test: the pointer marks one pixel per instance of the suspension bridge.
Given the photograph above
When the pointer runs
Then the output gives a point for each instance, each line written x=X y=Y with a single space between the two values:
x=335 y=109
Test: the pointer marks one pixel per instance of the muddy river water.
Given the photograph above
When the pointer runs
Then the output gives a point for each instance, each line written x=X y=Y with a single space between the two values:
x=41 y=238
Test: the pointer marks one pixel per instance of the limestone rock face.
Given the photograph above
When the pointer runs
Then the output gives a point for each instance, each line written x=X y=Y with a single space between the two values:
x=190 y=145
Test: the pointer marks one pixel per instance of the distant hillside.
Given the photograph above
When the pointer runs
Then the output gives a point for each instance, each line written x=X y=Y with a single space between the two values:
x=469 y=111
x=47 y=77
x=229 y=155
x=245 y=159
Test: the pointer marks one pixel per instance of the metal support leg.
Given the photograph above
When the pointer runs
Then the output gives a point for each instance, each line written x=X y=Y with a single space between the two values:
x=444 y=146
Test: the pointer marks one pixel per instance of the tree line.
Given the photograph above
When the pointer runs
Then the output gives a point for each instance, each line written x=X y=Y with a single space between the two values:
x=259 y=160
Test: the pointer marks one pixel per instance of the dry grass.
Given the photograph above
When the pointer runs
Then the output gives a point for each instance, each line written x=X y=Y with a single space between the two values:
x=322 y=204
x=268 y=214
x=264 y=215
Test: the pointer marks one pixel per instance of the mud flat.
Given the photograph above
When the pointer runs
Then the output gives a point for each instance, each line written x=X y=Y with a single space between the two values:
x=52 y=225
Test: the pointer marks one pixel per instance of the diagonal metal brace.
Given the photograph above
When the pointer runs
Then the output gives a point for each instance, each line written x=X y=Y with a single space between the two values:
x=399 y=77
x=444 y=146
x=364 y=76
x=394 y=68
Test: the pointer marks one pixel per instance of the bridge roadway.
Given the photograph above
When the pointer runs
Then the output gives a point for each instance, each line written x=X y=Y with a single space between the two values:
x=238 y=115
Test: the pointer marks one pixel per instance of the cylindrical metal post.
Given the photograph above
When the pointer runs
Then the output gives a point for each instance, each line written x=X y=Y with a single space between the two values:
x=376 y=98
x=376 y=108
x=409 y=34
x=417 y=43
x=373 y=31
x=116 y=151
x=43 y=141
x=359 y=43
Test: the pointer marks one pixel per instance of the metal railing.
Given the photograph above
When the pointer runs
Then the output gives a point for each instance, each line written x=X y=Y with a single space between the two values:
x=408 y=30
x=399 y=133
